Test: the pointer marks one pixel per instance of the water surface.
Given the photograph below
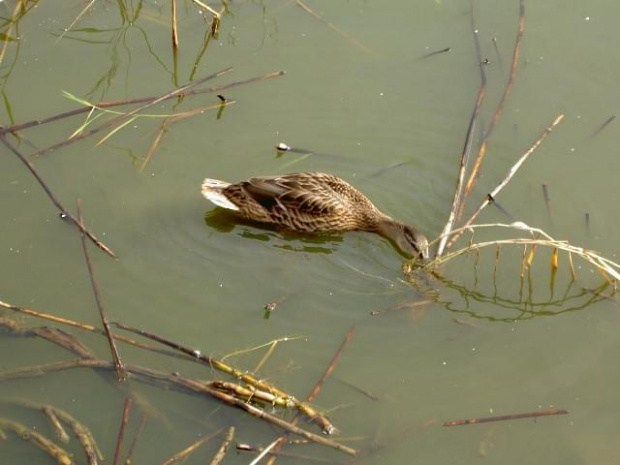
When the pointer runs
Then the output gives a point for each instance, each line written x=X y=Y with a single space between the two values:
x=363 y=98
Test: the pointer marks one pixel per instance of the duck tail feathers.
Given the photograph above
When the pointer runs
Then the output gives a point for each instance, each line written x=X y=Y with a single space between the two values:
x=212 y=189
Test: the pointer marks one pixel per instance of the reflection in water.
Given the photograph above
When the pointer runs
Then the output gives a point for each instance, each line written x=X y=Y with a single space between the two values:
x=225 y=221
x=493 y=306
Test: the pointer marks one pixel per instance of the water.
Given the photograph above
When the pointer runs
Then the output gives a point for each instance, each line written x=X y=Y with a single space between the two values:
x=371 y=109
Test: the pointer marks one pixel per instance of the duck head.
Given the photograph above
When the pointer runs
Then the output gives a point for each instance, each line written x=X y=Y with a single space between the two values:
x=409 y=240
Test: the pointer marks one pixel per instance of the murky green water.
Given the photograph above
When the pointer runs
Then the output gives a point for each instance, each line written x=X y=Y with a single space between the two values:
x=359 y=94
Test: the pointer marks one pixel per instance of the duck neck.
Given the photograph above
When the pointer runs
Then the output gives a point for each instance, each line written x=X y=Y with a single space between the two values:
x=389 y=228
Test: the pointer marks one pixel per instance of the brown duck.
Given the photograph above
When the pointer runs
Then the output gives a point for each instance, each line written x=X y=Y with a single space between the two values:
x=312 y=203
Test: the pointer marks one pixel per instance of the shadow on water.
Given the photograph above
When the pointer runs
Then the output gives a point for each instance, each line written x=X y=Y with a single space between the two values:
x=225 y=222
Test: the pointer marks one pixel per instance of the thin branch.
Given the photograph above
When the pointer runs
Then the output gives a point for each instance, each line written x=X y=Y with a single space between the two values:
x=491 y=196
x=93 y=329
x=502 y=102
x=316 y=390
x=195 y=386
x=113 y=103
x=120 y=368
x=457 y=200
x=121 y=433
x=77 y=111
x=129 y=114
x=54 y=200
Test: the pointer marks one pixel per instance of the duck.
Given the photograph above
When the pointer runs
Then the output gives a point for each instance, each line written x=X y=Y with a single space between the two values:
x=312 y=203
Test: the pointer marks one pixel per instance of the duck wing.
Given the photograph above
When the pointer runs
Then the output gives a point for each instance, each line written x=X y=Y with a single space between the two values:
x=303 y=194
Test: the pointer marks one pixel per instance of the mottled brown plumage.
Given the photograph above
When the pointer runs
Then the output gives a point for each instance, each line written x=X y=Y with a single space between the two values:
x=312 y=203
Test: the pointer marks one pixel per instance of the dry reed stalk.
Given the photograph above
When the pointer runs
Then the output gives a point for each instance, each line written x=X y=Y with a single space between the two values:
x=134 y=442
x=124 y=116
x=264 y=452
x=243 y=82
x=61 y=456
x=175 y=32
x=334 y=28
x=268 y=354
x=457 y=200
x=572 y=267
x=19 y=4
x=121 y=433
x=316 y=390
x=261 y=414
x=83 y=434
x=173 y=119
x=518 y=416
x=280 y=397
x=206 y=7
x=61 y=433
x=118 y=363
x=112 y=103
x=77 y=18
x=502 y=102
x=600 y=263
x=54 y=200
x=491 y=196
x=163 y=127
x=217 y=16
x=59 y=337
x=242 y=447
x=146 y=374
x=212 y=362
x=200 y=55
x=182 y=455
x=458 y=191
x=221 y=452
x=93 y=329
x=531 y=254
x=249 y=393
